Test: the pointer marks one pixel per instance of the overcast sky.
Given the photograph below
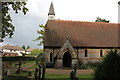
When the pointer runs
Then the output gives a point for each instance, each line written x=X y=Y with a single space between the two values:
x=76 y=10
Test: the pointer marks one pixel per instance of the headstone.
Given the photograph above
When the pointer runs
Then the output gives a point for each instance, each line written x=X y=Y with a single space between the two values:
x=8 y=72
x=36 y=73
x=73 y=75
x=39 y=76
x=43 y=72
x=1 y=69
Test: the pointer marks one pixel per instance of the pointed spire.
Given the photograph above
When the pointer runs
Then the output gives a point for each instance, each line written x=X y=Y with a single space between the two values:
x=51 y=9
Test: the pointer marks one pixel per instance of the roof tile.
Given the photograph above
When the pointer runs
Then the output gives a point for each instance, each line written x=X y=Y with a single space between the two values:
x=89 y=34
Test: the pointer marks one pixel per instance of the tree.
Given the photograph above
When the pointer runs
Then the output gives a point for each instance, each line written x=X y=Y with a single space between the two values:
x=102 y=20
x=36 y=52
x=7 y=27
x=25 y=48
x=109 y=69
x=41 y=35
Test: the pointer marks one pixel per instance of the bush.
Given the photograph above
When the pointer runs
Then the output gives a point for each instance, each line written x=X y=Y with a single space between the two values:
x=93 y=64
x=83 y=66
x=109 y=69
x=89 y=65
x=49 y=65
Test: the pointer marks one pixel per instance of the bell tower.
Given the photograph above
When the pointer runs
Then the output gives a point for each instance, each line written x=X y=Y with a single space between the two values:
x=51 y=14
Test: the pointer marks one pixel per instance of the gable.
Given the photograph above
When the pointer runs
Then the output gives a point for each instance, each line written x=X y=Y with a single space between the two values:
x=67 y=47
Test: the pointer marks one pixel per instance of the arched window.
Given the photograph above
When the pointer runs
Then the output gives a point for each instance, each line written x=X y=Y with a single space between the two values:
x=101 y=53
x=51 y=57
x=85 y=52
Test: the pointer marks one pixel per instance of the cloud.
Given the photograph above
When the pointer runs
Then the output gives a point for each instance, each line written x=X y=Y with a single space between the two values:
x=26 y=27
x=83 y=10
x=38 y=7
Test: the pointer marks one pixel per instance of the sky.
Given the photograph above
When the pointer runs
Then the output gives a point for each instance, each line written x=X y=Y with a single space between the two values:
x=26 y=26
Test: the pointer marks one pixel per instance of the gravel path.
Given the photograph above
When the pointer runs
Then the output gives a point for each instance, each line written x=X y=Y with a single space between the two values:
x=28 y=66
x=67 y=71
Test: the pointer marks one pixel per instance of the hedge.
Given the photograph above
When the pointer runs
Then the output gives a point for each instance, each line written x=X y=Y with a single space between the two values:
x=17 y=58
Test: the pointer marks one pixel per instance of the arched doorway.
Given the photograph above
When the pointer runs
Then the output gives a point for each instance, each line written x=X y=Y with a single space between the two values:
x=67 y=59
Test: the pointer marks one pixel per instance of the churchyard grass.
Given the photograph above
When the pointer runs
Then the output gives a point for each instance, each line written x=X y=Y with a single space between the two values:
x=24 y=75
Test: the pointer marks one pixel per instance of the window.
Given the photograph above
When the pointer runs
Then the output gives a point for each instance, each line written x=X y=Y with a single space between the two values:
x=85 y=52
x=11 y=50
x=50 y=57
x=101 y=53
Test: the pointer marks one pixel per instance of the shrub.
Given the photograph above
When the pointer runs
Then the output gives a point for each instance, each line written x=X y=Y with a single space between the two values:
x=109 y=69
x=89 y=65
x=83 y=66
x=93 y=64
x=49 y=65
x=17 y=58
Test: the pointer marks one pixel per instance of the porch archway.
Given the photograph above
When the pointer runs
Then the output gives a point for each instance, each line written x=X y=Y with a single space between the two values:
x=67 y=59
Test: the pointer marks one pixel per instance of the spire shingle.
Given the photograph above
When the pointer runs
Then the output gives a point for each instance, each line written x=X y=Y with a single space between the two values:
x=51 y=9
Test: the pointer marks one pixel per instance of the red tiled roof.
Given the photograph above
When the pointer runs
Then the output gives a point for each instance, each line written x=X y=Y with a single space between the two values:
x=31 y=49
x=81 y=34
x=9 y=47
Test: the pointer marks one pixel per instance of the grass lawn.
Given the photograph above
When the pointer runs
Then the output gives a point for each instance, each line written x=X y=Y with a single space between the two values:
x=53 y=77
x=24 y=64
x=24 y=75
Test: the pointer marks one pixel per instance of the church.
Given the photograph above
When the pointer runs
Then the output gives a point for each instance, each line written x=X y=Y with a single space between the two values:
x=71 y=42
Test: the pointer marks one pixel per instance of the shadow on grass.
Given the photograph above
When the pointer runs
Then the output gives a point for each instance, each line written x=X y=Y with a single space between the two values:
x=16 y=78
x=25 y=78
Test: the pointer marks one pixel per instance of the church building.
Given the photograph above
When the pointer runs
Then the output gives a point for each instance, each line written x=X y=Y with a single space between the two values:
x=71 y=42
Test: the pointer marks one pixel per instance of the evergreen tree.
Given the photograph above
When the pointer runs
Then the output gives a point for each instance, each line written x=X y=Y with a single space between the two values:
x=109 y=69
x=102 y=20
x=25 y=48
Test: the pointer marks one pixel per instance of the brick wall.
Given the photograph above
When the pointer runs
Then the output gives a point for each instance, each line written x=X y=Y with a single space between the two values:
x=93 y=55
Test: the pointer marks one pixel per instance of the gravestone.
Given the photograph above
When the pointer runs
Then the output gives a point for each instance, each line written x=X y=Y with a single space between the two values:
x=36 y=73
x=73 y=75
x=1 y=69
x=40 y=73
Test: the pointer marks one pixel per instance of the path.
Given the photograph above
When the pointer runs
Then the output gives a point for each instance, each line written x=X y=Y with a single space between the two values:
x=28 y=66
x=67 y=71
